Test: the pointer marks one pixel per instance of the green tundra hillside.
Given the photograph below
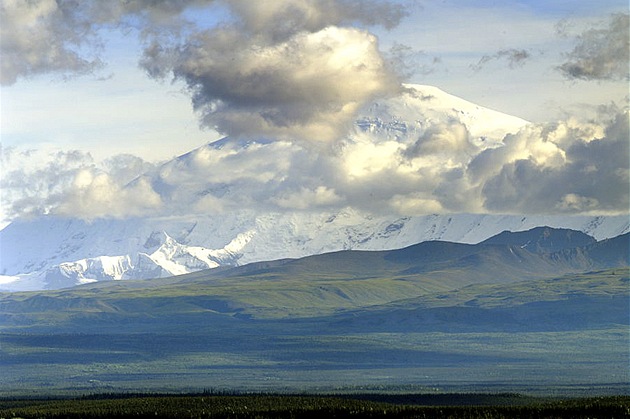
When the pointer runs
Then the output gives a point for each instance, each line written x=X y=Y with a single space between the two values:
x=436 y=315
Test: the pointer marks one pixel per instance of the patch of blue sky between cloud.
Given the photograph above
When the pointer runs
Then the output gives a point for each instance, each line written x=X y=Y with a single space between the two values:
x=209 y=16
x=116 y=109
x=119 y=109
x=457 y=34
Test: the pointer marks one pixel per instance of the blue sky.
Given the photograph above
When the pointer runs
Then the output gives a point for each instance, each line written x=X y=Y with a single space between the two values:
x=460 y=33
x=117 y=108
x=505 y=55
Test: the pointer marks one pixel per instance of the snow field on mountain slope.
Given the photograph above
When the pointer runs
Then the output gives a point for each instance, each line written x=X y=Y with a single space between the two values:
x=272 y=236
x=78 y=250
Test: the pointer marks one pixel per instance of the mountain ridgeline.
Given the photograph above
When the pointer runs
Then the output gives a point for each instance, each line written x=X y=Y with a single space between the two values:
x=53 y=253
x=537 y=252
x=211 y=219
x=340 y=280
x=542 y=239
x=544 y=308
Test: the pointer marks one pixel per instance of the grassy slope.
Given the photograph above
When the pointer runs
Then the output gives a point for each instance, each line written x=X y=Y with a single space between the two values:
x=188 y=337
x=426 y=315
x=302 y=295
x=314 y=286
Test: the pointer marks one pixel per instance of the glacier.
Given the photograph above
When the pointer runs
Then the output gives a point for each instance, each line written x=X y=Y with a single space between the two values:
x=51 y=252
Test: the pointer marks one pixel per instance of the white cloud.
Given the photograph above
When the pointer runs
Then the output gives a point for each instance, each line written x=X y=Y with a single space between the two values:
x=42 y=36
x=576 y=203
x=308 y=87
x=301 y=70
x=98 y=195
x=291 y=70
x=45 y=181
x=364 y=158
x=33 y=180
x=415 y=204
x=286 y=69
x=565 y=167
x=577 y=174
x=310 y=199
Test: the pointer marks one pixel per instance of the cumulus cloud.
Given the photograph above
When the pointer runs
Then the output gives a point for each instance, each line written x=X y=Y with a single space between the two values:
x=570 y=167
x=62 y=36
x=409 y=176
x=297 y=69
x=564 y=167
x=277 y=21
x=304 y=198
x=33 y=180
x=141 y=13
x=572 y=173
x=226 y=176
x=43 y=36
x=309 y=87
x=601 y=53
x=48 y=181
x=285 y=70
x=514 y=57
x=98 y=195
x=123 y=168
x=280 y=76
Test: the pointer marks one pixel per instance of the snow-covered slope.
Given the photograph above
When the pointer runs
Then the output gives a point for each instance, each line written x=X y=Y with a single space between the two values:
x=290 y=175
x=422 y=106
x=36 y=264
x=52 y=252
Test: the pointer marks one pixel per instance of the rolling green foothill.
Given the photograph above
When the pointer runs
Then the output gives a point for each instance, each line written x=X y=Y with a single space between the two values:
x=443 y=316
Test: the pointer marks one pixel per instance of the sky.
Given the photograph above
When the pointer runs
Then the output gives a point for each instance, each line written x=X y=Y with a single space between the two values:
x=95 y=94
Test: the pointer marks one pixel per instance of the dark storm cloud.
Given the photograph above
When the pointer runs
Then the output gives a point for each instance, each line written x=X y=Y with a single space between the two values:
x=601 y=53
x=514 y=57
x=593 y=176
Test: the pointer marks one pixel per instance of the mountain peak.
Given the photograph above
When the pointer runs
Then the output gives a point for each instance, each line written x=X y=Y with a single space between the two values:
x=43 y=246
x=241 y=200
x=542 y=239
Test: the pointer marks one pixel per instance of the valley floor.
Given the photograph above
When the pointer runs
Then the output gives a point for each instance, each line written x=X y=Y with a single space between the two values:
x=303 y=332
x=576 y=363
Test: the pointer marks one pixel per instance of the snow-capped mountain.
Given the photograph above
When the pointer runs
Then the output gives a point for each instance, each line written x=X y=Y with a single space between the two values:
x=54 y=252
x=422 y=106
x=50 y=253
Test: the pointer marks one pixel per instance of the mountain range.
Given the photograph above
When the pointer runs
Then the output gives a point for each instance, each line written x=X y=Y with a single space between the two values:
x=52 y=252
x=326 y=283
x=540 y=310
